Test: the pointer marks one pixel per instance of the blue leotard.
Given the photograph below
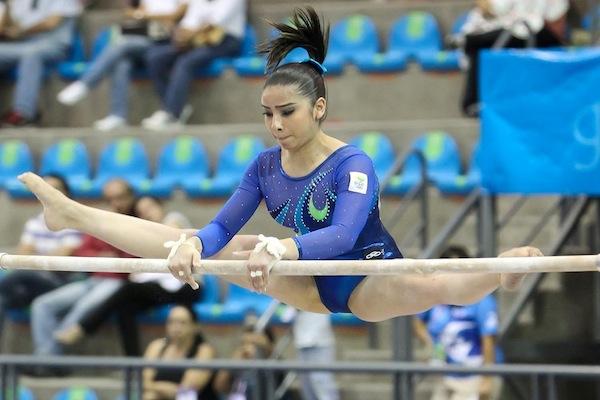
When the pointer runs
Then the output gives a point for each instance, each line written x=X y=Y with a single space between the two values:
x=334 y=211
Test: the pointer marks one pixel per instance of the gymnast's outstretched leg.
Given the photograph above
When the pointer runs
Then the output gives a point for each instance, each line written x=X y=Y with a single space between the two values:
x=378 y=298
x=145 y=239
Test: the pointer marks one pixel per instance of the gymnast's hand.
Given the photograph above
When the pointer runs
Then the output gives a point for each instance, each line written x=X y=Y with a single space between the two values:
x=512 y=281
x=258 y=266
x=184 y=259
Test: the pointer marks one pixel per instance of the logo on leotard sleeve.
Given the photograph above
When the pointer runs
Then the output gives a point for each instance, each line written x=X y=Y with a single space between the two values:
x=358 y=182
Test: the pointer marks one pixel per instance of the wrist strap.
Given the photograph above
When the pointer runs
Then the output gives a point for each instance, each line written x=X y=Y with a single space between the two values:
x=175 y=245
x=272 y=245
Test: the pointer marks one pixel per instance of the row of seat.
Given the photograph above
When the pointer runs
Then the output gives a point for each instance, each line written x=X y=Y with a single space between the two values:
x=70 y=393
x=415 y=36
x=183 y=163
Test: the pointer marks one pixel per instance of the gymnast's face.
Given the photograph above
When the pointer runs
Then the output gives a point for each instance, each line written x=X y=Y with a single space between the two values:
x=290 y=117
x=180 y=324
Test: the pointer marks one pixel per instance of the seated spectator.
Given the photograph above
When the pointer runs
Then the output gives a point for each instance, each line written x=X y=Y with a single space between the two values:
x=522 y=19
x=183 y=341
x=33 y=34
x=142 y=292
x=152 y=209
x=19 y=288
x=65 y=305
x=247 y=384
x=462 y=335
x=209 y=29
x=150 y=22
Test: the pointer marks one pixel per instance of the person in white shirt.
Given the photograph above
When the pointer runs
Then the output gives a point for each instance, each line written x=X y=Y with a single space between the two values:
x=19 y=288
x=492 y=19
x=143 y=291
x=148 y=22
x=34 y=33
x=209 y=30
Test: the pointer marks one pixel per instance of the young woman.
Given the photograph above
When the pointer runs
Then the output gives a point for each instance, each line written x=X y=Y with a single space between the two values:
x=322 y=188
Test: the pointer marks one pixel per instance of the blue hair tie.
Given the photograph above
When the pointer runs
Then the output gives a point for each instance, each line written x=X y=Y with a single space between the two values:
x=322 y=70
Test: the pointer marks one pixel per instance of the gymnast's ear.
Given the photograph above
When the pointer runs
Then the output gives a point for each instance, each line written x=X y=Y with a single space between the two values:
x=319 y=109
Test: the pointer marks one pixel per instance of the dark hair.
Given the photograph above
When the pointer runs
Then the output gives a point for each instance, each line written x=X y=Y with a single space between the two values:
x=304 y=30
x=190 y=310
x=455 y=251
x=138 y=199
x=62 y=181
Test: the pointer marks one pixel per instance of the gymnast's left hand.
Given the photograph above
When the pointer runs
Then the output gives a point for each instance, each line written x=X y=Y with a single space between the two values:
x=258 y=267
x=512 y=281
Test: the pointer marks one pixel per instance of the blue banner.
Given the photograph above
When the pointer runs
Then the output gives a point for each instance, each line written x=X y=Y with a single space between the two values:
x=540 y=126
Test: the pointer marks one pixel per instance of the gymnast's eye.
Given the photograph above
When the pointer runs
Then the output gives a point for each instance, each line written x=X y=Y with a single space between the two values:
x=288 y=112
x=267 y=114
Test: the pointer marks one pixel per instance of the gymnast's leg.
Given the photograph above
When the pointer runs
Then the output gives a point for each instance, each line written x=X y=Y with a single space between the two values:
x=378 y=298
x=145 y=239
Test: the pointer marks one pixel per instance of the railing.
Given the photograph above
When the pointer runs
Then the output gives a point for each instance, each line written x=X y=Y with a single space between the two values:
x=132 y=368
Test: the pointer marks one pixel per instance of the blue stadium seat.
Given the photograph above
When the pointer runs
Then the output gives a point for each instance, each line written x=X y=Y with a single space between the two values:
x=182 y=158
x=68 y=158
x=442 y=160
x=586 y=23
x=379 y=148
x=24 y=393
x=15 y=158
x=462 y=184
x=238 y=303
x=352 y=38
x=233 y=161
x=124 y=158
x=74 y=65
x=74 y=71
x=443 y=60
x=76 y=393
x=415 y=32
x=247 y=53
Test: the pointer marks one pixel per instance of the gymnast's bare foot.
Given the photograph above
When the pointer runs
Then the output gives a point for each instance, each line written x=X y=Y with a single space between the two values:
x=58 y=208
x=512 y=281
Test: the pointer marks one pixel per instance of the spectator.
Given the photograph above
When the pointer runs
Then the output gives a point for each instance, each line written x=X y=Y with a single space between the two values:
x=33 y=34
x=142 y=292
x=462 y=335
x=183 y=341
x=64 y=306
x=209 y=29
x=153 y=21
x=315 y=342
x=491 y=18
x=247 y=384
x=152 y=209
x=19 y=288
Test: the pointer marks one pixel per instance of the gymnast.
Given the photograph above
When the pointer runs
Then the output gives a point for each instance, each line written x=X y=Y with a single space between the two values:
x=322 y=188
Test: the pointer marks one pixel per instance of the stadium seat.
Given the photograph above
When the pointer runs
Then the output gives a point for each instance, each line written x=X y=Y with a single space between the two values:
x=247 y=53
x=587 y=21
x=74 y=65
x=76 y=393
x=124 y=158
x=74 y=71
x=462 y=184
x=15 y=158
x=24 y=393
x=238 y=303
x=444 y=60
x=352 y=39
x=441 y=156
x=233 y=161
x=379 y=148
x=344 y=319
x=69 y=159
x=182 y=158
x=415 y=32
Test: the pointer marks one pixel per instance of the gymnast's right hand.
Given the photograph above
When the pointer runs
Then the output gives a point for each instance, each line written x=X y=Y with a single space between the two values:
x=184 y=259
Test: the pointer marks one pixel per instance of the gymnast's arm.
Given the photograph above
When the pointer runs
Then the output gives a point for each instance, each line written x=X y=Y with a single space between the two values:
x=356 y=190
